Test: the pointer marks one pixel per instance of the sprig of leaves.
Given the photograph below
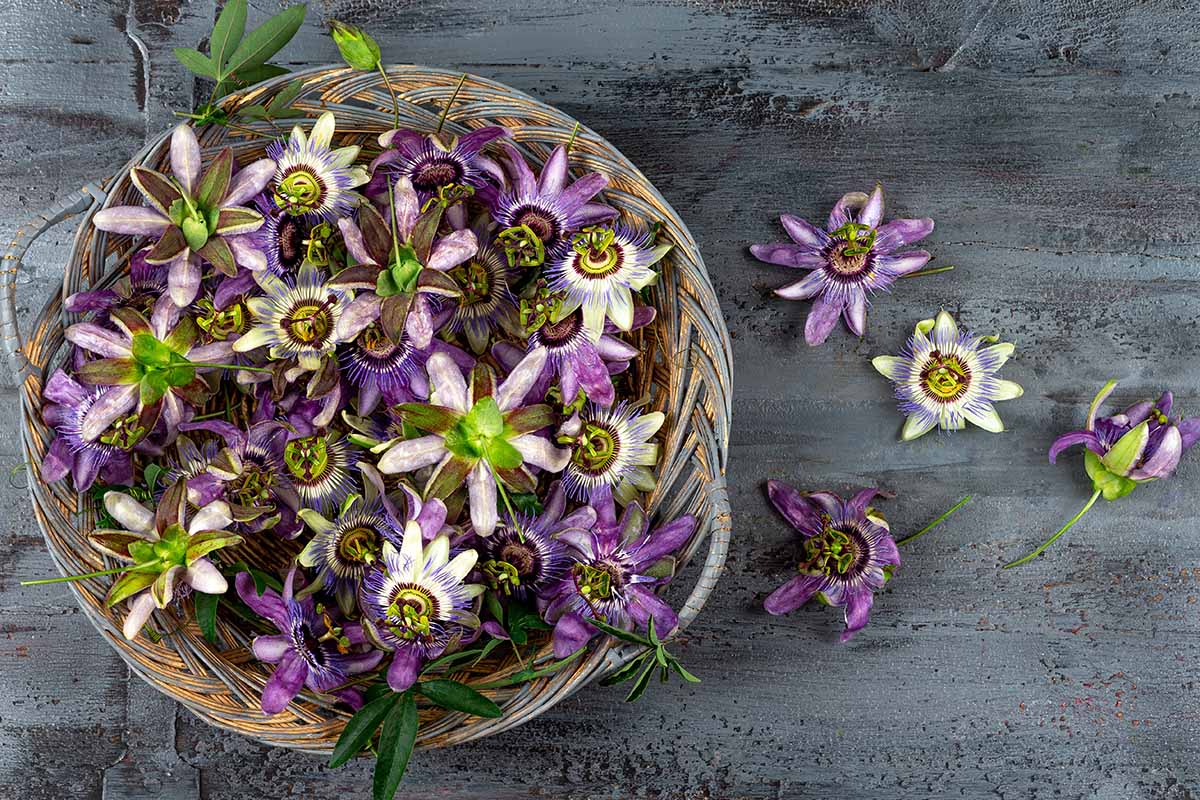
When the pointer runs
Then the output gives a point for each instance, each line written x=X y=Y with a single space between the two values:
x=237 y=59
x=394 y=716
x=643 y=666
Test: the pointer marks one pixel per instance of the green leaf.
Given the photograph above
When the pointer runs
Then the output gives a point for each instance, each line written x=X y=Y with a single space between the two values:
x=626 y=672
x=227 y=33
x=526 y=503
x=206 y=542
x=265 y=41
x=263 y=72
x=361 y=727
x=501 y=454
x=130 y=584
x=643 y=680
x=459 y=697
x=285 y=98
x=617 y=633
x=484 y=419
x=385 y=284
x=532 y=674
x=196 y=61
x=434 y=419
x=681 y=672
x=151 y=475
x=206 y=614
x=1124 y=455
x=395 y=747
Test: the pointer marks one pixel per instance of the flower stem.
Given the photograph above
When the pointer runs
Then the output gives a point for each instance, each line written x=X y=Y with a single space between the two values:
x=1091 y=502
x=450 y=102
x=571 y=141
x=86 y=575
x=936 y=522
x=933 y=271
x=228 y=366
x=512 y=513
x=395 y=102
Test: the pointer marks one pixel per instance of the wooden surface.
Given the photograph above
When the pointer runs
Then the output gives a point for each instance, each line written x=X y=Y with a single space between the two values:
x=1054 y=145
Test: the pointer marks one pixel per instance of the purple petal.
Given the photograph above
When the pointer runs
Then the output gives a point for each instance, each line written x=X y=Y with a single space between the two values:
x=900 y=232
x=857 y=505
x=403 y=671
x=245 y=253
x=570 y=634
x=554 y=173
x=794 y=506
x=353 y=237
x=58 y=463
x=858 y=611
x=1189 y=432
x=788 y=255
x=591 y=214
x=1085 y=438
x=109 y=407
x=591 y=372
x=101 y=341
x=361 y=312
x=249 y=182
x=644 y=604
x=268 y=605
x=808 y=286
x=664 y=541
x=185 y=158
x=904 y=263
x=98 y=300
x=821 y=320
x=453 y=250
x=872 y=211
x=804 y=233
x=133 y=220
x=793 y=594
x=855 y=313
x=62 y=388
x=285 y=684
x=183 y=280
x=578 y=193
x=271 y=649
x=87 y=468
x=471 y=143
x=1164 y=458
x=524 y=182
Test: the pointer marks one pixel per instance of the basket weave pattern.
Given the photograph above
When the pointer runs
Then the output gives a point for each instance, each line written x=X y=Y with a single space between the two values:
x=685 y=370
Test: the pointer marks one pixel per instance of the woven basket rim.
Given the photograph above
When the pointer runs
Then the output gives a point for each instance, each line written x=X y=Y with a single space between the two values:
x=603 y=657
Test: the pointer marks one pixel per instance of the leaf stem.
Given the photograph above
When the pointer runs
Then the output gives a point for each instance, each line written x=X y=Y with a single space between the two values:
x=395 y=101
x=1091 y=502
x=936 y=522
x=933 y=271
x=512 y=512
x=450 y=102
x=571 y=141
x=228 y=366
x=99 y=574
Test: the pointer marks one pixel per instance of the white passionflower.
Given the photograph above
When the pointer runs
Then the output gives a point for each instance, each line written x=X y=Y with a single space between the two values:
x=612 y=452
x=946 y=377
x=600 y=273
x=295 y=321
x=312 y=178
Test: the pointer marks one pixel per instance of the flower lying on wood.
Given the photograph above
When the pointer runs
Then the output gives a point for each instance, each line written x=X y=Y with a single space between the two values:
x=162 y=552
x=854 y=257
x=1138 y=445
x=947 y=377
x=312 y=648
x=848 y=552
x=194 y=215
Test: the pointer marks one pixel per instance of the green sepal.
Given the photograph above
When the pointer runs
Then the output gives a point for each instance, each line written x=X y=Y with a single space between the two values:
x=110 y=372
x=205 y=542
x=128 y=585
x=484 y=419
x=502 y=455
x=1125 y=454
x=1110 y=486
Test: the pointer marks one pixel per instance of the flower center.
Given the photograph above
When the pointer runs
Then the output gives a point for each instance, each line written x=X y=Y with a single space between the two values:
x=475 y=280
x=434 y=173
x=557 y=334
x=311 y=646
x=307 y=459
x=410 y=612
x=595 y=582
x=597 y=449
x=945 y=378
x=289 y=238
x=124 y=433
x=502 y=576
x=523 y=247
x=850 y=253
x=375 y=343
x=541 y=223
x=220 y=325
x=359 y=545
x=309 y=323
x=596 y=255
x=832 y=552
x=300 y=192
x=253 y=486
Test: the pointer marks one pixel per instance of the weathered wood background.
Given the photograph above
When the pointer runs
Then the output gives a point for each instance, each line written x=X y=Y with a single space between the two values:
x=1054 y=143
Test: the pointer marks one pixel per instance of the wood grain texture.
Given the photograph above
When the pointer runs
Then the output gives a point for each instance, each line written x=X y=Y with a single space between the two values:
x=1054 y=144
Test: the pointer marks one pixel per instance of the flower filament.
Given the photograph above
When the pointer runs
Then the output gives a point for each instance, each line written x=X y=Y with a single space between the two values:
x=300 y=192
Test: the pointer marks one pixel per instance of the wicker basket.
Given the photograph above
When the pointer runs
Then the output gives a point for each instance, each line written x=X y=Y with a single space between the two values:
x=686 y=372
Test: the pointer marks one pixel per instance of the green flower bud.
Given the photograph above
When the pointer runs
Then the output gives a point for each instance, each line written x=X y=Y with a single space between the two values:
x=195 y=231
x=357 y=47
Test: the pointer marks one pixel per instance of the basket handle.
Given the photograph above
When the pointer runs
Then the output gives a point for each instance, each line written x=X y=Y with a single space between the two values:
x=77 y=202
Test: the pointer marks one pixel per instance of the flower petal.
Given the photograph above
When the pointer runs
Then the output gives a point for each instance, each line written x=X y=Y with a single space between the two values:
x=513 y=389
x=904 y=263
x=917 y=425
x=284 y=684
x=405 y=666
x=858 y=611
x=452 y=250
x=985 y=417
x=109 y=407
x=185 y=157
x=1007 y=390
x=808 y=286
x=900 y=232
x=129 y=512
x=821 y=320
x=570 y=634
x=855 y=313
x=793 y=594
x=412 y=454
x=102 y=342
x=248 y=182
x=481 y=493
x=794 y=506
x=139 y=613
x=133 y=220
x=872 y=211
x=803 y=232
x=788 y=255
x=540 y=452
x=271 y=649
x=1085 y=438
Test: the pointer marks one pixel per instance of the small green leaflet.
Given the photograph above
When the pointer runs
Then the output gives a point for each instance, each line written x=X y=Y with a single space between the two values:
x=361 y=727
x=459 y=697
x=206 y=615
x=240 y=59
x=396 y=743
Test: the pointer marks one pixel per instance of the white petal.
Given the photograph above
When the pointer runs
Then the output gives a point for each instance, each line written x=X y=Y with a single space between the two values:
x=987 y=419
x=620 y=308
x=917 y=425
x=481 y=492
x=139 y=612
x=539 y=452
x=1000 y=352
x=447 y=382
x=203 y=576
x=412 y=454
x=890 y=367
x=322 y=132
x=411 y=545
x=1007 y=390
x=213 y=517
x=518 y=383
x=462 y=564
x=945 y=329
x=129 y=512
x=436 y=552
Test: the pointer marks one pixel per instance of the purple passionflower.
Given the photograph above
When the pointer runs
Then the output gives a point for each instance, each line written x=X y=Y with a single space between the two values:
x=312 y=648
x=283 y=237
x=416 y=603
x=551 y=206
x=401 y=264
x=615 y=568
x=853 y=257
x=194 y=216
x=477 y=435
x=847 y=552
x=524 y=558
x=486 y=303
x=579 y=363
x=106 y=456
x=1138 y=445
x=118 y=366
x=432 y=165
x=393 y=372
x=139 y=289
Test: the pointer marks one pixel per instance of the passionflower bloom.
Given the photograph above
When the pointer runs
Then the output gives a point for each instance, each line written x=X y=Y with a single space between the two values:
x=401 y=267
x=486 y=303
x=854 y=257
x=107 y=456
x=847 y=552
x=611 y=452
x=1138 y=445
x=162 y=552
x=579 y=363
x=478 y=441
x=146 y=362
x=194 y=215
x=433 y=165
x=319 y=466
x=392 y=371
x=415 y=602
x=283 y=238
x=342 y=550
x=313 y=179
x=615 y=570
x=311 y=649
x=297 y=322
x=602 y=270
x=140 y=289
x=523 y=558
x=946 y=377
x=549 y=206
